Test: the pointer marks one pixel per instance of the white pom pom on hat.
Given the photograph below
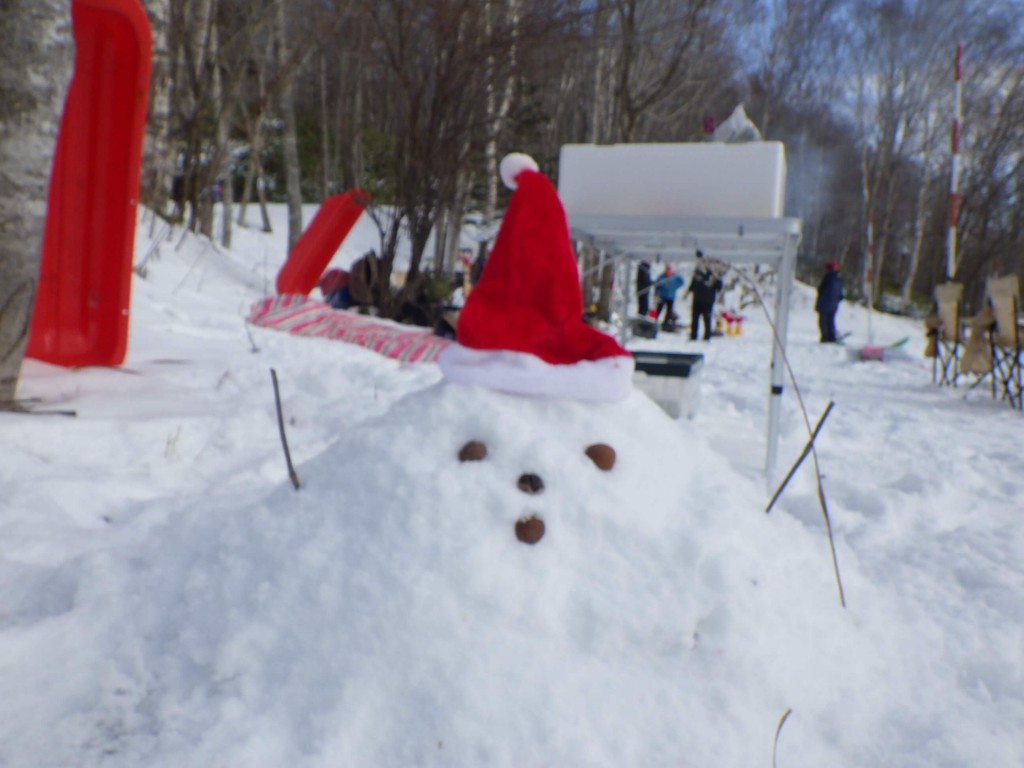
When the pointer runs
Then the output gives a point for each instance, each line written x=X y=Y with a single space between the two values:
x=512 y=165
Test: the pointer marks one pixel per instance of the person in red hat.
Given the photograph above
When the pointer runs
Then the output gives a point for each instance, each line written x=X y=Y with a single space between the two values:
x=830 y=294
x=521 y=329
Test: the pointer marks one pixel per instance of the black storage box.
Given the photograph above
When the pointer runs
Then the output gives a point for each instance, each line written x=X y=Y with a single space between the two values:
x=671 y=379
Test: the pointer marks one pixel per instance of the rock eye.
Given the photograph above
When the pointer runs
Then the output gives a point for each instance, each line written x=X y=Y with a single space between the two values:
x=602 y=455
x=530 y=483
x=474 y=450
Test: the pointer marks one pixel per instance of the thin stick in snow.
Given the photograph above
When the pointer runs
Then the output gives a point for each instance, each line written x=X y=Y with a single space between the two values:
x=292 y=474
x=254 y=349
x=27 y=407
x=778 y=730
x=807 y=422
x=800 y=460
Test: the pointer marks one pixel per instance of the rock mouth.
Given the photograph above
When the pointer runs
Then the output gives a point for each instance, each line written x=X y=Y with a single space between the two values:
x=530 y=530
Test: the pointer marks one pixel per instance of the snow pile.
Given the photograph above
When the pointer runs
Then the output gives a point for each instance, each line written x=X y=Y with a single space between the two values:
x=168 y=599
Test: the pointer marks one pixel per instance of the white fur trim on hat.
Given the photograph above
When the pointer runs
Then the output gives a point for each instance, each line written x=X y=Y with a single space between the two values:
x=512 y=165
x=608 y=379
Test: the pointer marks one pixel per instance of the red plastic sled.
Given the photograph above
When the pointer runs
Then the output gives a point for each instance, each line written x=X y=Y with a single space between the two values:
x=80 y=315
x=317 y=244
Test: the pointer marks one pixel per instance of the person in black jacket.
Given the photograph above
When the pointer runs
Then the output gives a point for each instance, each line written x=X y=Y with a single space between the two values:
x=704 y=285
x=830 y=293
x=643 y=288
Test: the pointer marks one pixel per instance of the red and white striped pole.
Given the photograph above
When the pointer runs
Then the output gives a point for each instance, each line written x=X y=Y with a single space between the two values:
x=954 y=173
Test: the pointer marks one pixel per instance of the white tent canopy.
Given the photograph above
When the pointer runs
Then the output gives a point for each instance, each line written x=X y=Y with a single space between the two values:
x=649 y=201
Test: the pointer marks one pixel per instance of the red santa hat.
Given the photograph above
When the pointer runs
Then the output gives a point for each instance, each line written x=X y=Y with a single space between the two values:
x=521 y=329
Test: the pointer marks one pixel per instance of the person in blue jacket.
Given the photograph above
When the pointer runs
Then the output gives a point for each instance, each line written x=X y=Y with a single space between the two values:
x=666 y=288
x=830 y=293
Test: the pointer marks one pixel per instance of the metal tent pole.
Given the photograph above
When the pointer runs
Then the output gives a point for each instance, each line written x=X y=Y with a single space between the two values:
x=778 y=365
x=627 y=292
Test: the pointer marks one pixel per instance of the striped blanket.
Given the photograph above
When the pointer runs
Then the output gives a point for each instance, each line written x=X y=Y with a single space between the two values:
x=303 y=316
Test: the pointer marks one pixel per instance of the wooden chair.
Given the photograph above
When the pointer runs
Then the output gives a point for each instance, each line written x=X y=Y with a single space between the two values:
x=945 y=334
x=1005 y=339
x=976 y=356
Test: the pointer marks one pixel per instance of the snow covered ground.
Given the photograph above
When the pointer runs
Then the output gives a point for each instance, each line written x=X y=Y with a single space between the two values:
x=167 y=599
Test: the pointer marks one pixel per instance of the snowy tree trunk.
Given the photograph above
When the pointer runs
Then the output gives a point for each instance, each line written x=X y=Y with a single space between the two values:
x=293 y=183
x=228 y=187
x=867 y=266
x=920 y=219
x=883 y=240
x=261 y=194
x=442 y=231
x=327 y=164
x=448 y=229
x=493 y=126
x=357 y=157
x=590 y=282
x=192 y=38
x=36 y=58
x=208 y=178
x=253 y=178
x=498 y=106
x=157 y=150
x=254 y=129
x=225 y=95
x=599 y=93
x=867 y=199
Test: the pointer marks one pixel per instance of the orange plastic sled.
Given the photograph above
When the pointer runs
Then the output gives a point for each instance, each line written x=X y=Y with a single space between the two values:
x=80 y=315
x=319 y=241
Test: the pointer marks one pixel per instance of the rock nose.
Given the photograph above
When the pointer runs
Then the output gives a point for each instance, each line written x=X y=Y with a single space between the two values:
x=530 y=483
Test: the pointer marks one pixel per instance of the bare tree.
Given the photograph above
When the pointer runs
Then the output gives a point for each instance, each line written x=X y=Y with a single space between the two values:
x=190 y=40
x=157 y=149
x=899 y=52
x=36 y=52
x=430 y=61
x=603 y=61
x=926 y=185
x=799 y=60
x=499 y=96
x=797 y=70
x=264 y=72
x=668 y=60
x=416 y=100
x=992 y=213
x=293 y=182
